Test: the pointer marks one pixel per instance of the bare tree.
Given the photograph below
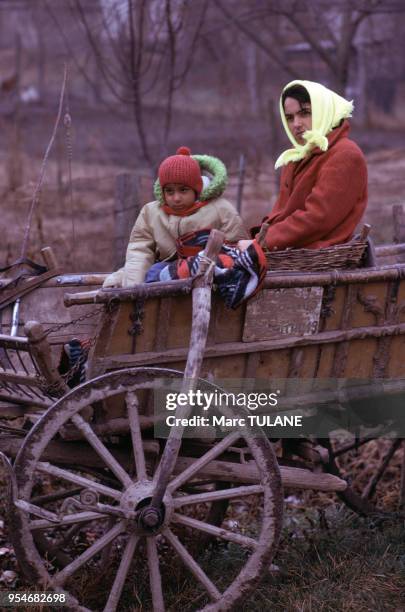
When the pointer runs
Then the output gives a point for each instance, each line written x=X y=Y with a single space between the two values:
x=143 y=51
x=328 y=30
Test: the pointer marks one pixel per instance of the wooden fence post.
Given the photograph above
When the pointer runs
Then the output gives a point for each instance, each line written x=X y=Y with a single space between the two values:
x=126 y=209
x=398 y=215
x=241 y=182
x=401 y=505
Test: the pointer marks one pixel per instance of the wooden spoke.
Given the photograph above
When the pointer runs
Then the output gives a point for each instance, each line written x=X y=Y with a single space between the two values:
x=192 y=565
x=50 y=517
x=134 y=423
x=121 y=574
x=41 y=500
x=69 y=519
x=102 y=450
x=401 y=503
x=157 y=473
x=199 y=463
x=211 y=496
x=154 y=575
x=371 y=485
x=48 y=468
x=223 y=534
x=88 y=554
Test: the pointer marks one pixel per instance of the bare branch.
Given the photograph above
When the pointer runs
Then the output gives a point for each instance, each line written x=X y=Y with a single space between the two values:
x=73 y=57
x=312 y=40
x=108 y=76
x=190 y=56
x=114 y=46
x=253 y=36
x=320 y=17
x=37 y=190
x=349 y=28
x=172 y=63
x=135 y=63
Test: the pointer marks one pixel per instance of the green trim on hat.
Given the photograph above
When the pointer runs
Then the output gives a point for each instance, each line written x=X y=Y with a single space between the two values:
x=217 y=186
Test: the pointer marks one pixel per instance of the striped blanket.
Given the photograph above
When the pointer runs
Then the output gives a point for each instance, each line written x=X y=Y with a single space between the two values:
x=238 y=275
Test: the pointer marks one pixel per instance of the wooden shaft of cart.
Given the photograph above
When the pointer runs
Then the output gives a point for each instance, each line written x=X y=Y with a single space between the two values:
x=201 y=317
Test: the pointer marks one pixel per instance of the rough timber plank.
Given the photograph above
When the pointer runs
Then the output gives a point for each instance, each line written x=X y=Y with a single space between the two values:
x=275 y=313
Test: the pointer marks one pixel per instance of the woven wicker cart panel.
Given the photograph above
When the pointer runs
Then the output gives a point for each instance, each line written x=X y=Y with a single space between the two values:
x=330 y=258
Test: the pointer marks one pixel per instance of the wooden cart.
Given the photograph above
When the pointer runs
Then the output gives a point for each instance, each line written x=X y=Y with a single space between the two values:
x=143 y=498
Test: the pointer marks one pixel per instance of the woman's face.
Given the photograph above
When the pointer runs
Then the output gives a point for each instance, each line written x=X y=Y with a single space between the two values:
x=299 y=118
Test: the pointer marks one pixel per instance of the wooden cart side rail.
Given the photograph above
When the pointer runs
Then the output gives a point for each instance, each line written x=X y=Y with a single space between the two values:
x=138 y=292
x=22 y=380
x=24 y=400
x=334 y=277
x=15 y=377
x=234 y=348
x=9 y=295
x=68 y=280
x=77 y=280
x=273 y=280
x=17 y=343
x=388 y=250
x=97 y=278
x=40 y=351
x=19 y=376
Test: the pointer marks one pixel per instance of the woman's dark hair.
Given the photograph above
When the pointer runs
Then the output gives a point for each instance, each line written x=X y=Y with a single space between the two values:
x=298 y=92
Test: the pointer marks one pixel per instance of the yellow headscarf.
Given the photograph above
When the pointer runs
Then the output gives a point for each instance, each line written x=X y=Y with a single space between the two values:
x=328 y=110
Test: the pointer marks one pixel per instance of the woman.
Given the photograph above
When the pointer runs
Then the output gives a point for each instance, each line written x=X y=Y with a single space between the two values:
x=323 y=187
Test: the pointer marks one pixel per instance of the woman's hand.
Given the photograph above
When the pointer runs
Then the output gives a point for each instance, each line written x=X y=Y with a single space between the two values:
x=244 y=244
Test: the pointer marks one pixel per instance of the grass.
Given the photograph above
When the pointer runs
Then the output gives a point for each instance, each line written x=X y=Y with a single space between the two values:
x=349 y=564
x=328 y=561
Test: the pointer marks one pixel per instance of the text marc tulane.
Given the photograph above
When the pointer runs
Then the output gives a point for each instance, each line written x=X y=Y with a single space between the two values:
x=261 y=420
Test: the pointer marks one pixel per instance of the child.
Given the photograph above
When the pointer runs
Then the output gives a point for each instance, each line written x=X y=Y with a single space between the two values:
x=182 y=206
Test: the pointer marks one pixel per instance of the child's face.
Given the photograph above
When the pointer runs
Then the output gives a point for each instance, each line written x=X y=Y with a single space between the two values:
x=179 y=197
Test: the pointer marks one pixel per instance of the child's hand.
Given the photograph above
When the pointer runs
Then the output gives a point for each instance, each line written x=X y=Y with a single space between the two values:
x=244 y=244
x=113 y=280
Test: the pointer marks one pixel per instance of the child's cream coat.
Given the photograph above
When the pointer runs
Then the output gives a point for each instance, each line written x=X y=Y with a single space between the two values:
x=153 y=237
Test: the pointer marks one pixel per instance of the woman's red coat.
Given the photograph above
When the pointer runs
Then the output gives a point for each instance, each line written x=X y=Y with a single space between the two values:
x=322 y=197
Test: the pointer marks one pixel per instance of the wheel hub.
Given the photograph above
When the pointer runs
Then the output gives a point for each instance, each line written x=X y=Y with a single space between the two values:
x=150 y=518
x=142 y=517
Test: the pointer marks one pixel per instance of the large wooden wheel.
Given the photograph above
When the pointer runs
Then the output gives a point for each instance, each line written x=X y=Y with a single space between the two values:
x=105 y=492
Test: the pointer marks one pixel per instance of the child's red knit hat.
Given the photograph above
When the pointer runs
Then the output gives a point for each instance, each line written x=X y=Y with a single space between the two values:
x=181 y=168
